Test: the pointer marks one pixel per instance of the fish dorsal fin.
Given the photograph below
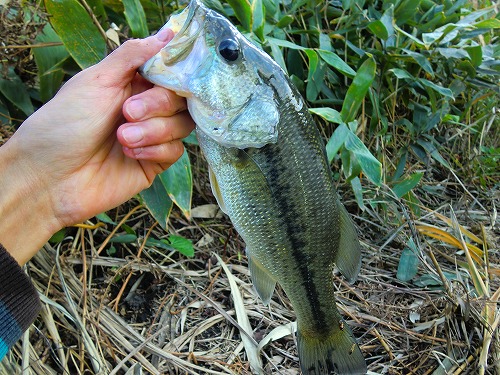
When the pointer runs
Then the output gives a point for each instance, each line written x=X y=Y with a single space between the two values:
x=262 y=280
x=348 y=258
x=216 y=190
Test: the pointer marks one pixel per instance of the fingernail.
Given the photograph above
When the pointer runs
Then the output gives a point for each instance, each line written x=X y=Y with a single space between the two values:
x=136 y=109
x=164 y=35
x=132 y=134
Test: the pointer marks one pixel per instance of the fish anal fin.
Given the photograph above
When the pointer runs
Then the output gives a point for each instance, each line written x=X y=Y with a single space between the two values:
x=336 y=353
x=216 y=190
x=262 y=280
x=348 y=259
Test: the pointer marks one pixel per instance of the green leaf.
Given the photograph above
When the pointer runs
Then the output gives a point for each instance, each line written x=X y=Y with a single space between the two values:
x=191 y=138
x=403 y=187
x=369 y=163
x=97 y=8
x=433 y=151
x=475 y=54
x=358 y=192
x=105 y=218
x=492 y=23
x=181 y=244
x=277 y=55
x=49 y=63
x=358 y=89
x=406 y=10
x=162 y=244
x=258 y=18
x=74 y=26
x=335 y=61
x=421 y=60
x=418 y=42
x=243 y=12
x=5 y=118
x=58 y=237
x=284 y=43
x=442 y=90
x=178 y=182
x=285 y=21
x=387 y=20
x=378 y=29
x=124 y=238
x=336 y=141
x=136 y=18
x=401 y=74
x=15 y=91
x=329 y=114
x=313 y=86
x=157 y=201
x=408 y=262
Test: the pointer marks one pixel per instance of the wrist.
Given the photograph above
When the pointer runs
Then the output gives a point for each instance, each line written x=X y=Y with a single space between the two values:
x=26 y=217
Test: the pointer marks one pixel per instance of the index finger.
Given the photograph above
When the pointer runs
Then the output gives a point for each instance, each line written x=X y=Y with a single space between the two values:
x=155 y=102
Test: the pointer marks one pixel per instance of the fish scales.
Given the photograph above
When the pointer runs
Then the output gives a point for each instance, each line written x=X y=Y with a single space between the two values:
x=270 y=174
x=299 y=219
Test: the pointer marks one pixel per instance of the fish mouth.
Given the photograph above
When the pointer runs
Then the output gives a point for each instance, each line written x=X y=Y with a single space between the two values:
x=171 y=67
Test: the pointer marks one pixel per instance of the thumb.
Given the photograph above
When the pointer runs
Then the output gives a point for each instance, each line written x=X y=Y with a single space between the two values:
x=126 y=59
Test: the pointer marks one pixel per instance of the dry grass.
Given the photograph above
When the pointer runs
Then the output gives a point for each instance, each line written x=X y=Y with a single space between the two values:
x=137 y=309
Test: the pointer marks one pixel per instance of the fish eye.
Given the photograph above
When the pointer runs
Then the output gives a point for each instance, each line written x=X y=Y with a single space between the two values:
x=229 y=49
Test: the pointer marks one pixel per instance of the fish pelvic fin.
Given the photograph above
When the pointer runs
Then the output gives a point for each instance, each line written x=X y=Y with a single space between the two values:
x=337 y=353
x=348 y=258
x=262 y=280
x=216 y=190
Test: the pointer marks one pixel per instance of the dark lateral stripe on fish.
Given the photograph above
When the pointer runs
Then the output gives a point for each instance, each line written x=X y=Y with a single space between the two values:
x=282 y=190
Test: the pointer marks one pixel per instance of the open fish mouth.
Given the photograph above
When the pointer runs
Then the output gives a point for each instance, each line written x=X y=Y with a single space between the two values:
x=163 y=69
x=186 y=26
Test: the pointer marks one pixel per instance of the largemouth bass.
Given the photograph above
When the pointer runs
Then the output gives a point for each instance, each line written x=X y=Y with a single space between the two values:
x=269 y=174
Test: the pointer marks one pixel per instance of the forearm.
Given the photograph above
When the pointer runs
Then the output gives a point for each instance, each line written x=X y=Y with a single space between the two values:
x=26 y=218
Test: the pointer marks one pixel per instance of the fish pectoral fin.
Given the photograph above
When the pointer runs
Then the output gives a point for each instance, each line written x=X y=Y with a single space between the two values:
x=262 y=280
x=216 y=190
x=348 y=258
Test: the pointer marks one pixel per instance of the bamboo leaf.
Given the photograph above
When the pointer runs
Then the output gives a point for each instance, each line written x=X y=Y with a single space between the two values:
x=335 y=61
x=156 y=199
x=49 y=63
x=178 y=183
x=77 y=31
x=378 y=29
x=403 y=187
x=329 y=114
x=408 y=262
x=336 y=141
x=136 y=18
x=243 y=12
x=258 y=18
x=358 y=89
x=369 y=163
x=181 y=244
x=15 y=91
x=313 y=81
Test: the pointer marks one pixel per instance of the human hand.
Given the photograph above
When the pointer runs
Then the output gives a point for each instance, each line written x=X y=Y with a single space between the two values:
x=100 y=140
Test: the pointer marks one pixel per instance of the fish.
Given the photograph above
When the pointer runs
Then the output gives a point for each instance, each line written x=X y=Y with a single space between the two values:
x=270 y=174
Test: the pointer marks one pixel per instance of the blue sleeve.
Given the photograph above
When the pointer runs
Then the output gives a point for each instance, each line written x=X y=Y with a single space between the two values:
x=19 y=302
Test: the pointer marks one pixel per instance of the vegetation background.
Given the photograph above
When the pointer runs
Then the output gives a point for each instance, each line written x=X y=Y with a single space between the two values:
x=406 y=94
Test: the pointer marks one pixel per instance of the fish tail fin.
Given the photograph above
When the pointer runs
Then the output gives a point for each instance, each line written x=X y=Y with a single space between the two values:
x=337 y=353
